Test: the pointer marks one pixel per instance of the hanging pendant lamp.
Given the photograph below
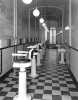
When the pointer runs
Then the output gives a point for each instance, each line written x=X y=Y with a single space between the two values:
x=67 y=28
x=41 y=20
x=43 y=24
x=36 y=12
x=27 y=1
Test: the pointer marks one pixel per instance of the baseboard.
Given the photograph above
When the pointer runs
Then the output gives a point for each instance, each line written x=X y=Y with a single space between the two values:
x=73 y=77
x=5 y=75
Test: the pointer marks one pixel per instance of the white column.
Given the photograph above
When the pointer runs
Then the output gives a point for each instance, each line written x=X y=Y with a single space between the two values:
x=62 y=25
x=70 y=22
x=50 y=35
x=15 y=22
x=29 y=28
x=35 y=34
x=54 y=36
x=45 y=34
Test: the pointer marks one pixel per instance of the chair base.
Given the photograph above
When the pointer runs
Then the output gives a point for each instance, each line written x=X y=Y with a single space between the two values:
x=34 y=76
x=61 y=62
x=26 y=97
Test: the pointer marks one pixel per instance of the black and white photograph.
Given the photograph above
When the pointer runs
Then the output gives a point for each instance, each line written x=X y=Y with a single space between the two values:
x=38 y=49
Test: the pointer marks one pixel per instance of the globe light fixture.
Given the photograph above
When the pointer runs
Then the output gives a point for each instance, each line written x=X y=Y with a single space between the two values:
x=41 y=20
x=61 y=31
x=27 y=1
x=45 y=27
x=43 y=24
x=67 y=28
x=36 y=12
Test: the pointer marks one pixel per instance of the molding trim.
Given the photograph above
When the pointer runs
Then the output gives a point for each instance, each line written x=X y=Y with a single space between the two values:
x=5 y=75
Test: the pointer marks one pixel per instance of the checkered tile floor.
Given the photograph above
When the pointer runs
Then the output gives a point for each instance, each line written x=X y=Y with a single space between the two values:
x=54 y=82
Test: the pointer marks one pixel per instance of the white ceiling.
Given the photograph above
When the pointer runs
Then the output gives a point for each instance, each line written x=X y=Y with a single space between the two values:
x=48 y=7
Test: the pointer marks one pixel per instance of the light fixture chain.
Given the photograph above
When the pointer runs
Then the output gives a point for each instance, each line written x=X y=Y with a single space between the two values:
x=36 y=3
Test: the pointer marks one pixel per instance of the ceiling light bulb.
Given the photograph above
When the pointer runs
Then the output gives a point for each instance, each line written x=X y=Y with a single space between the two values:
x=43 y=24
x=41 y=20
x=61 y=31
x=36 y=12
x=67 y=28
x=27 y=1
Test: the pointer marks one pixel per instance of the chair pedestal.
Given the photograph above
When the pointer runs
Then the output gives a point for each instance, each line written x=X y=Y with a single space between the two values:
x=33 y=67
x=17 y=97
x=22 y=89
x=41 y=57
x=38 y=60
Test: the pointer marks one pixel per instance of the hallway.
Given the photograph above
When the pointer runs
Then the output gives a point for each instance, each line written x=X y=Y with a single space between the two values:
x=54 y=82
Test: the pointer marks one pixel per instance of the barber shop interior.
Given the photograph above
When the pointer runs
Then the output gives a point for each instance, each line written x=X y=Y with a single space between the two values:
x=38 y=49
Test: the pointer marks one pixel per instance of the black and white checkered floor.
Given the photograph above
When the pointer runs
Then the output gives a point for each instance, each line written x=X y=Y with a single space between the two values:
x=54 y=82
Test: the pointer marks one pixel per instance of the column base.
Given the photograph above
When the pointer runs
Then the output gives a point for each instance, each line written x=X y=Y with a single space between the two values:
x=34 y=76
x=61 y=62
x=26 y=97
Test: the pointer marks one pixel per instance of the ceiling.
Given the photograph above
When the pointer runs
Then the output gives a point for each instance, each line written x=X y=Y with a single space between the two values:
x=50 y=4
x=49 y=9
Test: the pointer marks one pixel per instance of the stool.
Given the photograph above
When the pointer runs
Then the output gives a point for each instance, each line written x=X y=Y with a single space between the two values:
x=22 y=90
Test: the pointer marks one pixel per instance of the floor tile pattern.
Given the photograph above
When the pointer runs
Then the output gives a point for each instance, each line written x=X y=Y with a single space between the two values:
x=53 y=83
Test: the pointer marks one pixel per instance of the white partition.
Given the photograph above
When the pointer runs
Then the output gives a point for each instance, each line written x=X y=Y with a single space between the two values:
x=6 y=60
x=3 y=43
